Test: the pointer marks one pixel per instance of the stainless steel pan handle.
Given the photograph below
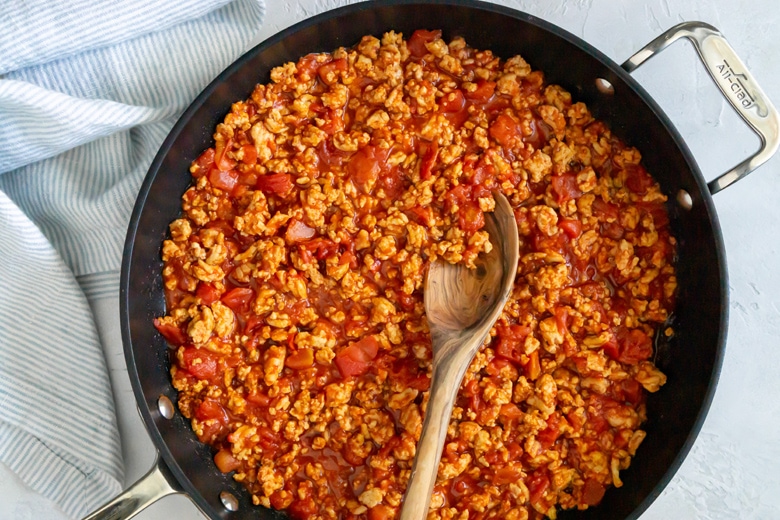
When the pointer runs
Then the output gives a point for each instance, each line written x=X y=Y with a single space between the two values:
x=157 y=483
x=734 y=81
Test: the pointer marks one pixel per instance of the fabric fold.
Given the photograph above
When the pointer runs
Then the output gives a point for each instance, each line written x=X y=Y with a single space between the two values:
x=86 y=98
x=38 y=31
x=58 y=430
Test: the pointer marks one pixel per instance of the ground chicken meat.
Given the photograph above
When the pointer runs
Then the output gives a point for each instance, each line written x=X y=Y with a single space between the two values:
x=294 y=283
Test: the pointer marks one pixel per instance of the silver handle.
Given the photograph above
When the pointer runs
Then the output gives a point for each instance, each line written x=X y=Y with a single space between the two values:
x=734 y=81
x=157 y=483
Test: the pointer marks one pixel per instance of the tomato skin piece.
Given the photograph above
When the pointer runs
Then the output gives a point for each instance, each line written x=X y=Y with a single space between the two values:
x=223 y=180
x=199 y=362
x=203 y=164
x=221 y=160
x=455 y=101
x=565 y=186
x=207 y=293
x=571 y=227
x=172 y=334
x=249 y=154
x=506 y=131
x=354 y=360
x=538 y=484
x=429 y=152
x=238 y=299
x=471 y=218
x=275 y=183
x=417 y=41
x=635 y=346
x=637 y=179
x=366 y=165
x=484 y=91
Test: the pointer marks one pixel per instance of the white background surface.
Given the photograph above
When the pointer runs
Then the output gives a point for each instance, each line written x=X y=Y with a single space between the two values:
x=732 y=470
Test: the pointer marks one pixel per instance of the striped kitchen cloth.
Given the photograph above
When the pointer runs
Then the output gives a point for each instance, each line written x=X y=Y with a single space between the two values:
x=88 y=91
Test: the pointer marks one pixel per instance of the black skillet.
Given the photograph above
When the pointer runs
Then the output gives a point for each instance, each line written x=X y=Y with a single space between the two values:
x=691 y=359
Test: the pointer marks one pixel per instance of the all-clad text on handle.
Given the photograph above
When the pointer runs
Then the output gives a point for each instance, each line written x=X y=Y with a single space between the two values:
x=734 y=81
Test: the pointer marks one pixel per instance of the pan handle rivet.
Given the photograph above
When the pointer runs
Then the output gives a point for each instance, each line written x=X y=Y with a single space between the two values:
x=604 y=86
x=684 y=199
x=229 y=500
x=165 y=406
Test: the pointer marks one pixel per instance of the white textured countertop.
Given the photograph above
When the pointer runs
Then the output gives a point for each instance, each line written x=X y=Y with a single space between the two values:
x=731 y=471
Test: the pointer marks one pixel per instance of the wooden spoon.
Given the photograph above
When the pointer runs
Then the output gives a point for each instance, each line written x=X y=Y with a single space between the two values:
x=462 y=305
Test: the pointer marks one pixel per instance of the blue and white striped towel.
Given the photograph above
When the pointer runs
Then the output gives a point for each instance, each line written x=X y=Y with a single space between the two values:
x=88 y=91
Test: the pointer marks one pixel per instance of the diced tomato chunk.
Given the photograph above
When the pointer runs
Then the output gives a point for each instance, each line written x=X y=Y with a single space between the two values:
x=511 y=411
x=635 y=346
x=223 y=180
x=307 y=65
x=173 y=334
x=203 y=164
x=565 y=186
x=571 y=227
x=274 y=184
x=238 y=299
x=538 y=484
x=207 y=293
x=471 y=218
x=300 y=509
x=548 y=436
x=455 y=101
x=366 y=165
x=417 y=41
x=221 y=160
x=355 y=359
x=483 y=92
x=300 y=360
x=381 y=512
x=507 y=475
x=637 y=179
x=249 y=155
x=429 y=152
x=505 y=130
x=605 y=209
x=532 y=367
x=632 y=391
x=199 y=362
x=209 y=409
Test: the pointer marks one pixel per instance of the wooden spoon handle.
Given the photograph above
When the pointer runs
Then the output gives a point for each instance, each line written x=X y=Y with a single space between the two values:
x=445 y=383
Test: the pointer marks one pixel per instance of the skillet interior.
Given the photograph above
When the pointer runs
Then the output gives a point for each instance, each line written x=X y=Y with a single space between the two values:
x=691 y=359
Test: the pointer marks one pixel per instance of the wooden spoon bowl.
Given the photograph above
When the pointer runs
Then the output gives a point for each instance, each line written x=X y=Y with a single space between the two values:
x=461 y=305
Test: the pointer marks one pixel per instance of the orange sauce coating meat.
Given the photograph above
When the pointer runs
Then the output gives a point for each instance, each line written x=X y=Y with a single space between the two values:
x=294 y=285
